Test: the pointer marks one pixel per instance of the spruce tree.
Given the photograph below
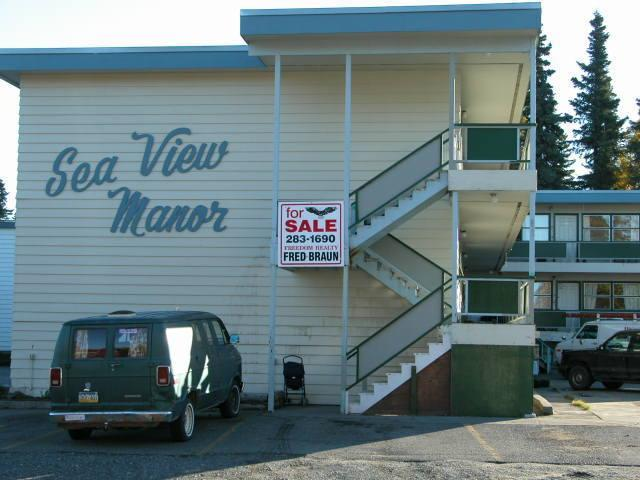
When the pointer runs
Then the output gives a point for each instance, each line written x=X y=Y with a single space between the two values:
x=600 y=132
x=628 y=175
x=4 y=211
x=552 y=148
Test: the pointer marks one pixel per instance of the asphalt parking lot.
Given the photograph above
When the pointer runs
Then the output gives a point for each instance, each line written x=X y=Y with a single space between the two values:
x=317 y=442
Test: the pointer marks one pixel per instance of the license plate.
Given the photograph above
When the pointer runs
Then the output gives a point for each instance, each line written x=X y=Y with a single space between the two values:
x=74 y=418
x=88 y=397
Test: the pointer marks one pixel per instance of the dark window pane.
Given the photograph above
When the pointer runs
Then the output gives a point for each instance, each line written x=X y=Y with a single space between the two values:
x=89 y=343
x=542 y=303
x=596 y=235
x=619 y=343
x=589 y=332
x=603 y=289
x=130 y=343
x=625 y=235
x=596 y=221
x=630 y=221
x=603 y=303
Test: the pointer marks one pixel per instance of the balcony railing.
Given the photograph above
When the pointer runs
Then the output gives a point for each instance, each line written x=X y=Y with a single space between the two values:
x=578 y=251
x=492 y=146
x=494 y=300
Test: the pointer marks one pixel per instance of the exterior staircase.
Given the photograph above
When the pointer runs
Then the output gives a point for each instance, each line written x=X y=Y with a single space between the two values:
x=380 y=205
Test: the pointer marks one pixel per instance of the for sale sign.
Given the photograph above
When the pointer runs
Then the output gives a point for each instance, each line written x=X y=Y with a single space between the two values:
x=310 y=234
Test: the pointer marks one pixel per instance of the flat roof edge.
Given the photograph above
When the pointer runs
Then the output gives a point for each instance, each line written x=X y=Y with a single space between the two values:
x=588 y=196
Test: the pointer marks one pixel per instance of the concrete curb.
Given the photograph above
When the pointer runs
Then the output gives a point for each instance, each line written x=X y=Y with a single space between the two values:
x=541 y=405
x=25 y=404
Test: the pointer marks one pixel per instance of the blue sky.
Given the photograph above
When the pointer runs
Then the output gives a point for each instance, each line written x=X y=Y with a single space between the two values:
x=87 y=23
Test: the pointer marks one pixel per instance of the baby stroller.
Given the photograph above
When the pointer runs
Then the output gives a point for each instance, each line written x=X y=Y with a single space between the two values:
x=293 y=372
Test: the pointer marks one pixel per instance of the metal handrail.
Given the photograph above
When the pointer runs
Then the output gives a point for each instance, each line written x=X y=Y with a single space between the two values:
x=355 y=351
x=354 y=193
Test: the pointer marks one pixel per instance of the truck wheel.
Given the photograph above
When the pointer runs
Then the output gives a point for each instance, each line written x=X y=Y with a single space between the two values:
x=182 y=428
x=80 y=433
x=612 y=385
x=580 y=377
x=231 y=406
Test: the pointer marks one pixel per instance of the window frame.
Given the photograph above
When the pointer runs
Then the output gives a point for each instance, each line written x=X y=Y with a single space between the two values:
x=525 y=226
x=576 y=216
x=611 y=228
x=614 y=228
x=72 y=350
x=115 y=339
x=614 y=296
x=549 y=295
x=610 y=296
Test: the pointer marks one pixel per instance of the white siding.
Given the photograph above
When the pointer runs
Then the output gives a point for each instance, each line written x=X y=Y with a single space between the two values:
x=7 y=261
x=70 y=265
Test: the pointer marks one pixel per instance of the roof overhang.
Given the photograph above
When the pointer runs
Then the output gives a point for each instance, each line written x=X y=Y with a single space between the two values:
x=16 y=62
x=375 y=20
x=588 y=197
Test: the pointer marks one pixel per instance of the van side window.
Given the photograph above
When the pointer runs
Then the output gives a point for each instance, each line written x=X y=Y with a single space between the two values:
x=208 y=333
x=130 y=342
x=220 y=333
x=89 y=343
x=589 y=332
x=635 y=344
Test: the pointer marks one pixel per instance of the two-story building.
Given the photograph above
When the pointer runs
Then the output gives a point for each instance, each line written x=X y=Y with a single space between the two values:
x=587 y=249
x=149 y=179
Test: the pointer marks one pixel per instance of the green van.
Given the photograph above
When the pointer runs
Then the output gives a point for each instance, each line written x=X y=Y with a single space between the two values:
x=129 y=370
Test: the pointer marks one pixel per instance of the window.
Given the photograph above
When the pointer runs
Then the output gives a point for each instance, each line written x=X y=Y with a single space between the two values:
x=566 y=228
x=542 y=228
x=625 y=228
x=588 y=332
x=635 y=343
x=568 y=296
x=89 y=343
x=597 y=296
x=619 y=343
x=130 y=342
x=208 y=333
x=220 y=334
x=542 y=295
x=596 y=228
x=626 y=296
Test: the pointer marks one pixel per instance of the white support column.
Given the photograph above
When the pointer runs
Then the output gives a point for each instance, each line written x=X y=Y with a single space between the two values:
x=344 y=397
x=455 y=257
x=275 y=193
x=452 y=111
x=532 y=251
x=533 y=102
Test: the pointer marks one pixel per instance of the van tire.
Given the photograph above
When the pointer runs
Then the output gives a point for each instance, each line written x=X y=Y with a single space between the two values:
x=612 y=385
x=580 y=377
x=231 y=406
x=182 y=428
x=80 y=433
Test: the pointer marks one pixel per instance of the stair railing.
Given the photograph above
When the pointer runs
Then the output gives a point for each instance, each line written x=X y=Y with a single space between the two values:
x=417 y=327
x=426 y=161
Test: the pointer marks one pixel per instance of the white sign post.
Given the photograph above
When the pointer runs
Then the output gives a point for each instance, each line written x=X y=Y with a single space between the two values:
x=310 y=234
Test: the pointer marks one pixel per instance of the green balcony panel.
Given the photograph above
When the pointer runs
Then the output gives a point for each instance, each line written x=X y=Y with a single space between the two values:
x=543 y=250
x=550 y=319
x=608 y=250
x=492 y=144
x=486 y=296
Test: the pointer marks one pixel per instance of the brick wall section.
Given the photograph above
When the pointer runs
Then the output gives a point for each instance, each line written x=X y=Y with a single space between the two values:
x=434 y=392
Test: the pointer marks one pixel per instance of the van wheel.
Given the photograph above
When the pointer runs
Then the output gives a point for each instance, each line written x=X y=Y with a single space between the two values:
x=612 y=385
x=231 y=407
x=182 y=428
x=580 y=377
x=80 y=433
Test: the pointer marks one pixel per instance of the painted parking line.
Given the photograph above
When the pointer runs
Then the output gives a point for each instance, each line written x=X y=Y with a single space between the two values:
x=29 y=440
x=210 y=446
x=483 y=443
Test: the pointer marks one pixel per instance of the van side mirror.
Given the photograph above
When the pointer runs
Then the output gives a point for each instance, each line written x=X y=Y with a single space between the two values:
x=234 y=339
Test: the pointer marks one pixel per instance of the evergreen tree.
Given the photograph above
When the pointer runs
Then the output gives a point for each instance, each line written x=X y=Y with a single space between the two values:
x=4 y=211
x=600 y=131
x=628 y=175
x=552 y=148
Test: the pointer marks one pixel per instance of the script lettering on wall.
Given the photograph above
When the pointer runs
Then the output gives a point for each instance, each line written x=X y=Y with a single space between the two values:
x=173 y=155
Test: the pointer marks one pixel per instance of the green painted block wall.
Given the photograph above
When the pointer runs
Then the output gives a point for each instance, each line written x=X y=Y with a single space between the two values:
x=493 y=297
x=492 y=144
x=491 y=380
